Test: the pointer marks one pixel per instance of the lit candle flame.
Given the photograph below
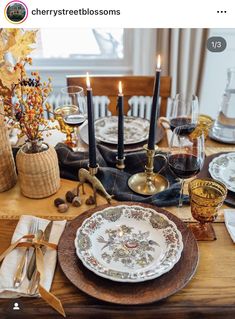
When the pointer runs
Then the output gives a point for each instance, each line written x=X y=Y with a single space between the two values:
x=158 y=61
x=120 y=87
x=88 y=83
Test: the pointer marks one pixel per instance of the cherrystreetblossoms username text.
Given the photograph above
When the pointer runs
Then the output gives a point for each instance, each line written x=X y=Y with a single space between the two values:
x=78 y=12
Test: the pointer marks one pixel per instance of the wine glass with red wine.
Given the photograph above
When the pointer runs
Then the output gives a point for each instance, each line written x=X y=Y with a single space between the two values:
x=74 y=112
x=186 y=155
x=184 y=112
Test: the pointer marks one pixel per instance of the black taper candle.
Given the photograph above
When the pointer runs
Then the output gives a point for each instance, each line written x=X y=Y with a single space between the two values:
x=155 y=109
x=120 y=154
x=91 y=128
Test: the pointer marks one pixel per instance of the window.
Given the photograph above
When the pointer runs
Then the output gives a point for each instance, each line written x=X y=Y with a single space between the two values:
x=77 y=49
x=80 y=44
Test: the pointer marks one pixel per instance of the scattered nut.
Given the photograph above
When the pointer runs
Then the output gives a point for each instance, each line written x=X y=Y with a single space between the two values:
x=62 y=208
x=75 y=191
x=69 y=196
x=90 y=200
x=58 y=201
x=76 y=201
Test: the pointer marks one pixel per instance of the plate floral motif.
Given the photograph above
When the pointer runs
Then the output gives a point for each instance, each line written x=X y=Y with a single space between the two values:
x=222 y=168
x=136 y=129
x=128 y=243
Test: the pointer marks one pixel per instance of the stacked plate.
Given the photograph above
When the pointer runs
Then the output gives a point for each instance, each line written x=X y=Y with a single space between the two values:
x=128 y=243
x=128 y=253
x=222 y=168
x=136 y=132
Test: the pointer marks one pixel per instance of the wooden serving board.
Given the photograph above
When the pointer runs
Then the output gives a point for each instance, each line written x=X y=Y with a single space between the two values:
x=127 y=293
x=230 y=199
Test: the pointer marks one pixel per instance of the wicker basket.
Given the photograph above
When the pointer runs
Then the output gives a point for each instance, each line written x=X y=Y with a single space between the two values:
x=8 y=175
x=38 y=173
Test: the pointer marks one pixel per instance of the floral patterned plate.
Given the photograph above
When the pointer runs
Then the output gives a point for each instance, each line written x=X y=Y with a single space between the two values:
x=222 y=168
x=136 y=129
x=128 y=243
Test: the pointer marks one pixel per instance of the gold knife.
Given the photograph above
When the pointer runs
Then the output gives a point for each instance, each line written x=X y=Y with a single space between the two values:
x=32 y=264
x=33 y=285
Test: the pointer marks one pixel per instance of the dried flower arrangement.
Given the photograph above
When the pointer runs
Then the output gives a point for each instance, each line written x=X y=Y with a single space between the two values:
x=24 y=98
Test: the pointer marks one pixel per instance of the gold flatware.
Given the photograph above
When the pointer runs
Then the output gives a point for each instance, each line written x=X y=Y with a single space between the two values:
x=20 y=273
x=32 y=262
x=33 y=285
x=34 y=282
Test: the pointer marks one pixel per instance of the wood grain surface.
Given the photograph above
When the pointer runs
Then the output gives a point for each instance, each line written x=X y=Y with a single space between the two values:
x=13 y=204
x=127 y=293
x=210 y=293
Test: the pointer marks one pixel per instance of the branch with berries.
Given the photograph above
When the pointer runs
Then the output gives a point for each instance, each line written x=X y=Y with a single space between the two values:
x=27 y=106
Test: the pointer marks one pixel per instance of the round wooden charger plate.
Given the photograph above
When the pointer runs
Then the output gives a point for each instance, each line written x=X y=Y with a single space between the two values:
x=230 y=199
x=127 y=293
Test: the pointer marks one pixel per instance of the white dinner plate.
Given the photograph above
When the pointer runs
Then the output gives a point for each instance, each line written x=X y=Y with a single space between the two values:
x=128 y=243
x=136 y=130
x=222 y=168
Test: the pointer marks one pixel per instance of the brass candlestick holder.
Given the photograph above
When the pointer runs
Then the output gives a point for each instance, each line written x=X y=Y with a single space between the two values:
x=148 y=182
x=120 y=163
x=85 y=175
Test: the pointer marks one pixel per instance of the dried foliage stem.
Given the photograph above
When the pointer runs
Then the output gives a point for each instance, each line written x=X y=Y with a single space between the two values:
x=24 y=97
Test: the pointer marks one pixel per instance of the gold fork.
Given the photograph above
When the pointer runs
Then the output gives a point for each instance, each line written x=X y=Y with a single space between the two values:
x=33 y=284
x=20 y=273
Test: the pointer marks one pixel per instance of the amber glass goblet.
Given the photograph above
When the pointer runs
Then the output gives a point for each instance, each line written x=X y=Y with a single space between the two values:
x=206 y=198
x=68 y=130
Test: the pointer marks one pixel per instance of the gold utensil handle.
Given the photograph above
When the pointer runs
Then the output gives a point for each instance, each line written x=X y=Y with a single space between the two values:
x=32 y=263
x=19 y=275
x=31 y=266
x=34 y=282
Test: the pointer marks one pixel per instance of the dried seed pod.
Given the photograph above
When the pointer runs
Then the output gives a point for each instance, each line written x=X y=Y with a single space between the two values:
x=62 y=208
x=75 y=191
x=58 y=201
x=90 y=200
x=77 y=201
x=69 y=196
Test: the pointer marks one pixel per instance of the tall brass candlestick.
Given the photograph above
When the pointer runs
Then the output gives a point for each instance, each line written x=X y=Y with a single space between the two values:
x=148 y=182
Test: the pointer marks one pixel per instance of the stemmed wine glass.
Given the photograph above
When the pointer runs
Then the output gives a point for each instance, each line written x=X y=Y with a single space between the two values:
x=184 y=112
x=206 y=197
x=74 y=112
x=186 y=155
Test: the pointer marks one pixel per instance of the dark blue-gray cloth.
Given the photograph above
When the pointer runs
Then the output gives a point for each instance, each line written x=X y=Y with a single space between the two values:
x=116 y=181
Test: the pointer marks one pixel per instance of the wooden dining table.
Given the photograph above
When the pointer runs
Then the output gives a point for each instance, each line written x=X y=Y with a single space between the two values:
x=209 y=294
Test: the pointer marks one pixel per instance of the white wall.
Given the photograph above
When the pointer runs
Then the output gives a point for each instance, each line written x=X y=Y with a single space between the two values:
x=215 y=73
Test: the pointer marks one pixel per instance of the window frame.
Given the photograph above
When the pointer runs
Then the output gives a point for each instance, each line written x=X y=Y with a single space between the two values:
x=92 y=63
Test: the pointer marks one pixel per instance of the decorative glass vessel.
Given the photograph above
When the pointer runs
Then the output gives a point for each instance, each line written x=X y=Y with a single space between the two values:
x=224 y=126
